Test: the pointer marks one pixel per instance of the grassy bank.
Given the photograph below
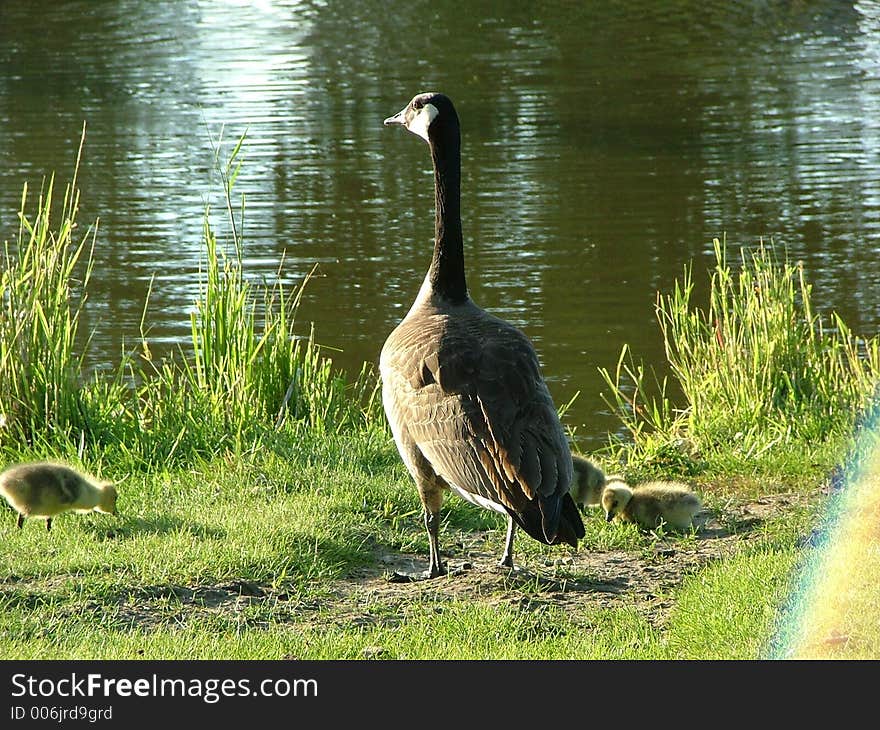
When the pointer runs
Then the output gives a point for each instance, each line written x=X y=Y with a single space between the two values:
x=262 y=497
x=770 y=387
x=249 y=373
x=259 y=558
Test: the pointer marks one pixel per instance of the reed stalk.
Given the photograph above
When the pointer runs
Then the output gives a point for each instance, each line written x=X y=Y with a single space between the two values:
x=757 y=368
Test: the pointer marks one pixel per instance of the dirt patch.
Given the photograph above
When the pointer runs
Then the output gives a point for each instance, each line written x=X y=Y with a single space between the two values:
x=586 y=579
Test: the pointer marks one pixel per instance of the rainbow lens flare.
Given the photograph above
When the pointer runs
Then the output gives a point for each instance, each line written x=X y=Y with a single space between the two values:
x=835 y=614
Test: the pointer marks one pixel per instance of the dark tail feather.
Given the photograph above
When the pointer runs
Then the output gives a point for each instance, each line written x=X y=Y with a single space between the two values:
x=530 y=522
x=551 y=509
x=538 y=523
x=571 y=526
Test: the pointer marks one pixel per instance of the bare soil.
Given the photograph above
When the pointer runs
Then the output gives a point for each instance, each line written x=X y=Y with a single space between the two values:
x=642 y=579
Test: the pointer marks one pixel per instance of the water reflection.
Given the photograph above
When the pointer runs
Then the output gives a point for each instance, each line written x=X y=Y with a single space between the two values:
x=605 y=145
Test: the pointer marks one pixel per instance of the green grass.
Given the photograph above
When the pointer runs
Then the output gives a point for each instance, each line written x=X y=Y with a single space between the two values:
x=162 y=579
x=257 y=479
x=248 y=374
x=128 y=586
x=833 y=612
x=43 y=286
x=728 y=610
x=768 y=385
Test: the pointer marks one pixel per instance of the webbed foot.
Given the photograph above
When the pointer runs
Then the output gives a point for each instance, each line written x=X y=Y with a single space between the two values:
x=399 y=576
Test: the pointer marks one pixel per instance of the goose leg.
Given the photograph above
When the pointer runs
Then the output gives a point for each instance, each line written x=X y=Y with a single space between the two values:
x=20 y=521
x=507 y=558
x=432 y=525
x=48 y=524
x=432 y=499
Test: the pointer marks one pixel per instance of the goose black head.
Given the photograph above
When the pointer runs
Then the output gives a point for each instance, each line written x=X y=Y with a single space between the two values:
x=424 y=113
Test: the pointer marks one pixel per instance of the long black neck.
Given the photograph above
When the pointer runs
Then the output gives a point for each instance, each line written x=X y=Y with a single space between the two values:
x=447 y=266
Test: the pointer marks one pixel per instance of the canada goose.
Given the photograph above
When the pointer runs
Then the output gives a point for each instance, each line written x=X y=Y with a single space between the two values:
x=45 y=489
x=588 y=482
x=649 y=503
x=462 y=389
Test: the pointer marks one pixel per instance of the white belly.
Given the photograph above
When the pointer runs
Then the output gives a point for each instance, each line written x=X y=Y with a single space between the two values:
x=478 y=500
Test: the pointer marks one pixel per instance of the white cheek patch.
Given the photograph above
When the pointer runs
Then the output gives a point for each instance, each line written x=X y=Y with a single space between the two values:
x=422 y=120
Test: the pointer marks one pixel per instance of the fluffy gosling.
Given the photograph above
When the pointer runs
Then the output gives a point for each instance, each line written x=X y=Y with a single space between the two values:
x=45 y=489
x=651 y=503
x=587 y=482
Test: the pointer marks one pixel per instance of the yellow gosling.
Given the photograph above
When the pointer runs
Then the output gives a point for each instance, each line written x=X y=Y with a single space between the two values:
x=46 y=489
x=587 y=482
x=651 y=503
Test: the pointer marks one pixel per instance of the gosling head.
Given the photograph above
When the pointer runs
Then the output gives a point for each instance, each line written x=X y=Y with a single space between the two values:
x=615 y=497
x=424 y=113
x=108 y=499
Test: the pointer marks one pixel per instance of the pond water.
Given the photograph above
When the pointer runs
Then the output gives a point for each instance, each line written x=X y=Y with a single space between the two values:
x=605 y=146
